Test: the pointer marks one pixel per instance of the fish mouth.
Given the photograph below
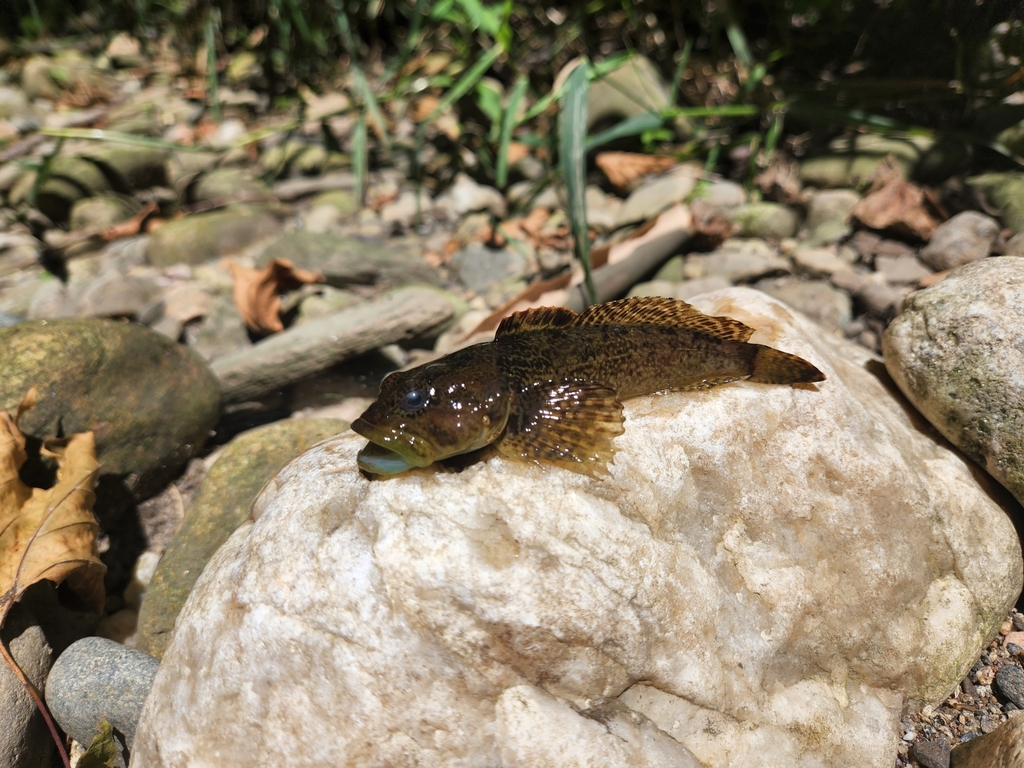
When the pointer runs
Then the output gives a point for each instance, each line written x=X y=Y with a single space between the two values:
x=389 y=451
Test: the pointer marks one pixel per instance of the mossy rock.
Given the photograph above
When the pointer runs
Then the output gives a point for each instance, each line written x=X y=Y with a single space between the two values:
x=151 y=402
x=247 y=463
x=205 y=236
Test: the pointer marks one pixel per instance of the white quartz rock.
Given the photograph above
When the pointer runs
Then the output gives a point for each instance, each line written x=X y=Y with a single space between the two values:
x=768 y=576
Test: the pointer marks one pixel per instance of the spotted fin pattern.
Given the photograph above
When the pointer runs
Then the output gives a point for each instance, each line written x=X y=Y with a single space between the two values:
x=571 y=423
x=640 y=310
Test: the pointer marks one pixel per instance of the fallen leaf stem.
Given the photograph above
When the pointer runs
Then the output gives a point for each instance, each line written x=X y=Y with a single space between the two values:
x=40 y=704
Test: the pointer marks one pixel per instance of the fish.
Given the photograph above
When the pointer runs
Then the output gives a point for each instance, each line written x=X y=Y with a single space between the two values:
x=549 y=387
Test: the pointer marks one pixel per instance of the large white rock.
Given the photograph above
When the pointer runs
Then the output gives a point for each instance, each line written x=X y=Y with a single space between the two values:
x=768 y=577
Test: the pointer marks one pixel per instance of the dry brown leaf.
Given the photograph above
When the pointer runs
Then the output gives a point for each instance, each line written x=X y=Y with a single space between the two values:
x=257 y=291
x=48 y=533
x=624 y=168
x=899 y=206
x=423 y=108
x=516 y=152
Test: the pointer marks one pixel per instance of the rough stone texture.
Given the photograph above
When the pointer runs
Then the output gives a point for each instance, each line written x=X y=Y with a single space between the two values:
x=659 y=194
x=480 y=267
x=151 y=402
x=957 y=352
x=1003 y=748
x=97 y=679
x=737 y=260
x=24 y=739
x=204 y=236
x=767 y=576
x=815 y=298
x=933 y=753
x=829 y=205
x=344 y=260
x=966 y=237
x=102 y=211
x=771 y=221
x=244 y=467
x=1010 y=679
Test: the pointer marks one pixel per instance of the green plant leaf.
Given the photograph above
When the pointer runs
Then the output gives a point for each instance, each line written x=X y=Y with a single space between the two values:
x=488 y=100
x=102 y=752
x=632 y=126
x=572 y=153
x=508 y=124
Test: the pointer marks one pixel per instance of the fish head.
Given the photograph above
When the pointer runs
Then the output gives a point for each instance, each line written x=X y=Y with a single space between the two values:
x=430 y=413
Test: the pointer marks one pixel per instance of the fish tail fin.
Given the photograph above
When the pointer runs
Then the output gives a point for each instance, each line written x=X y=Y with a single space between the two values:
x=774 y=367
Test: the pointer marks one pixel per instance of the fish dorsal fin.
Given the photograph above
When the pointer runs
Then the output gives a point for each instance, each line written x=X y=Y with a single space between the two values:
x=536 y=320
x=656 y=310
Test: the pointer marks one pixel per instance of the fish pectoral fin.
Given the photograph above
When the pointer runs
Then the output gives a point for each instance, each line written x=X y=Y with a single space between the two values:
x=569 y=422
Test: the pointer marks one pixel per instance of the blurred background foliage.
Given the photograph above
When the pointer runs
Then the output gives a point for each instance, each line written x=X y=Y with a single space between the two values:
x=738 y=67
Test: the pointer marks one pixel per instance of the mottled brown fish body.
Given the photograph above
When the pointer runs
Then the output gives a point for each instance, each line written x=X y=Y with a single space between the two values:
x=550 y=385
x=632 y=360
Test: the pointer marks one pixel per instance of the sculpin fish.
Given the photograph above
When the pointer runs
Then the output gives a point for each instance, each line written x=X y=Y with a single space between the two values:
x=549 y=387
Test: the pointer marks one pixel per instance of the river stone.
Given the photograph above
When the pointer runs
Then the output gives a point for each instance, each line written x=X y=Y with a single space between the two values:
x=966 y=237
x=659 y=194
x=134 y=167
x=770 y=221
x=737 y=260
x=815 y=298
x=205 y=236
x=480 y=267
x=1002 y=748
x=244 y=467
x=229 y=184
x=767 y=576
x=24 y=739
x=150 y=401
x=102 y=211
x=344 y=259
x=97 y=679
x=957 y=352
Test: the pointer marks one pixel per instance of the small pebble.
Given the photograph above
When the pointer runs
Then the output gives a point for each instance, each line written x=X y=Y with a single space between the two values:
x=932 y=754
x=1010 y=680
x=97 y=679
x=985 y=675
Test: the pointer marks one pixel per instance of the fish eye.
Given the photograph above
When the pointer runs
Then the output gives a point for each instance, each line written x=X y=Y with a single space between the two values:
x=413 y=400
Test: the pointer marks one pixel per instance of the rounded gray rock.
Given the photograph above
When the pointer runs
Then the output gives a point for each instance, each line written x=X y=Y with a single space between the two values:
x=97 y=679
x=24 y=741
x=957 y=350
x=966 y=237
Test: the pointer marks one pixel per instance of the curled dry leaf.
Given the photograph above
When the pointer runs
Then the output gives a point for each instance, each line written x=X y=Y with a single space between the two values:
x=625 y=168
x=257 y=291
x=895 y=204
x=48 y=533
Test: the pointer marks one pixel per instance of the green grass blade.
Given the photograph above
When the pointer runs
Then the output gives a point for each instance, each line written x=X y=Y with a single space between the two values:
x=677 y=78
x=633 y=126
x=572 y=153
x=360 y=157
x=362 y=85
x=468 y=80
x=211 y=63
x=508 y=124
x=738 y=41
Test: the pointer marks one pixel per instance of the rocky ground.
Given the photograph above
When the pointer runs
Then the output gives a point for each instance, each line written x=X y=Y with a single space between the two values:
x=249 y=246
